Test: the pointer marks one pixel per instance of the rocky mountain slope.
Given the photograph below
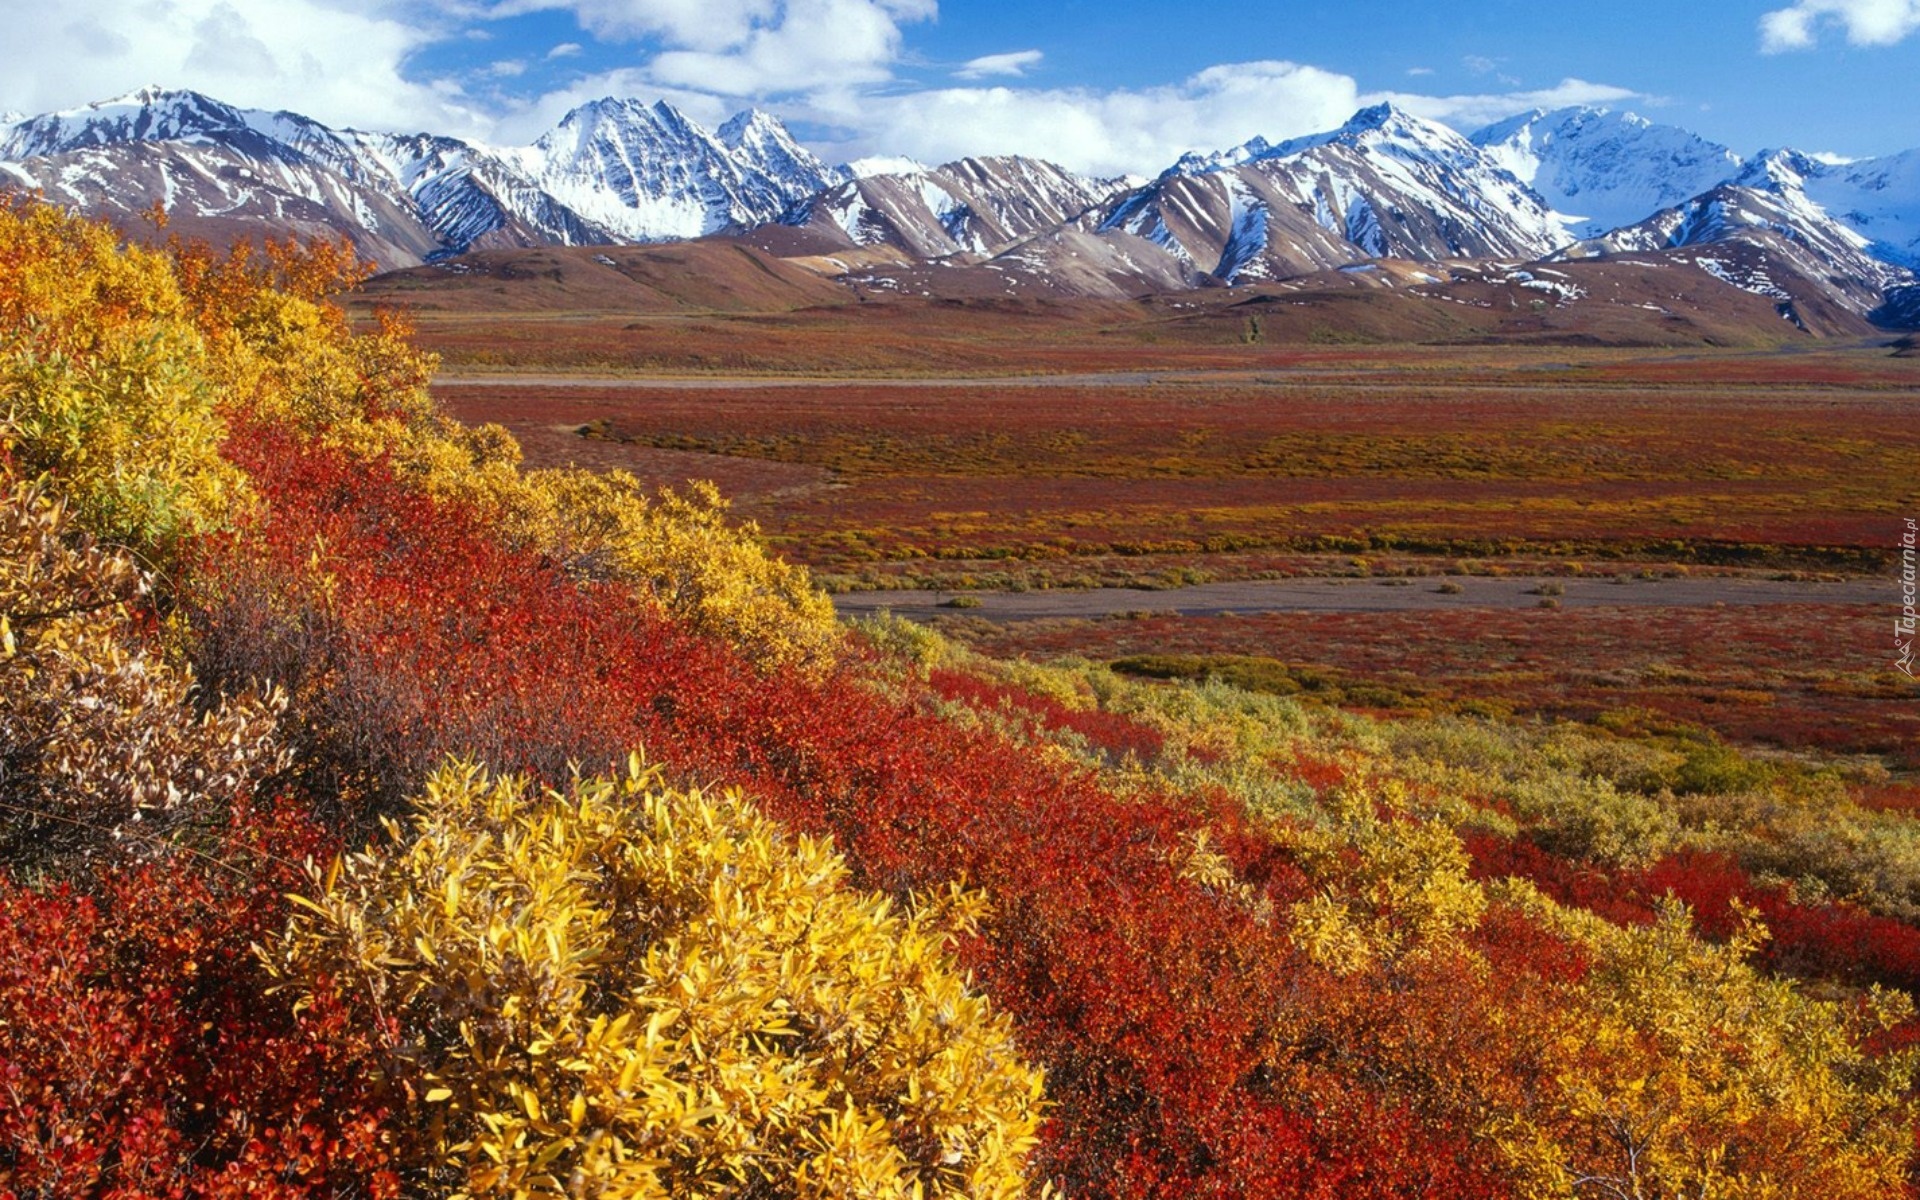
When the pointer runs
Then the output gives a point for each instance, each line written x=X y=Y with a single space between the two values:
x=976 y=206
x=1571 y=184
x=611 y=171
x=1386 y=184
x=1605 y=169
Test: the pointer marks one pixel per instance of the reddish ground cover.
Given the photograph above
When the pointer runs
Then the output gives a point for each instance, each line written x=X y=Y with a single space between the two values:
x=1451 y=461
x=1824 y=941
x=1149 y=998
x=1793 y=676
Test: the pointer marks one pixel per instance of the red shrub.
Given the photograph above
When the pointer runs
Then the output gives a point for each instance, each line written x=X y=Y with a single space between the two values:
x=1811 y=941
x=142 y=1053
x=1116 y=736
x=1190 y=1049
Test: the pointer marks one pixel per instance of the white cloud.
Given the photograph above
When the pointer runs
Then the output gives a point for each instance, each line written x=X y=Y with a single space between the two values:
x=1470 y=112
x=751 y=47
x=829 y=63
x=1101 y=132
x=1015 y=63
x=337 y=60
x=1419 y=70
x=699 y=24
x=1866 y=22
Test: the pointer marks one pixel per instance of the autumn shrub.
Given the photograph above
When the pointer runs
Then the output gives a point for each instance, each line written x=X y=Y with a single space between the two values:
x=680 y=550
x=144 y=1052
x=627 y=989
x=141 y=1052
x=1026 y=711
x=123 y=370
x=1693 y=1074
x=107 y=382
x=1144 y=991
x=105 y=744
x=405 y=632
x=291 y=362
x=1706 y=1080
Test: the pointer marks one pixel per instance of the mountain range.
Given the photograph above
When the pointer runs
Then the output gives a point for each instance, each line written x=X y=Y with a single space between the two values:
x=1564 y=187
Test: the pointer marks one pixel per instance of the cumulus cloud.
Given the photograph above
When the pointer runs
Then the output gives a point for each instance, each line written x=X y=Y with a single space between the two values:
x=1017 y=62
x=1104 y=132
x=340 y=61
x=827 y=64
x=751 y=47
x=1469 y=112
x=1865 y=22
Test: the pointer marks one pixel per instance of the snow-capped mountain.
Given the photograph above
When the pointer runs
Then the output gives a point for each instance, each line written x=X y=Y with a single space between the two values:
x=612 y=171
x=976 y=206
x=1605 y=169
x=650 y=173
x=1771 y=213
x=1385 y=184
x=1634 y=186
x=1877 y=198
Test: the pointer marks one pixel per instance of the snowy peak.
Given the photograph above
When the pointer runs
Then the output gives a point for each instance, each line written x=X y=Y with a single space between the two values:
x=762 y=141
x=1193 y=162
x=1876 y=199
x=626 y=127
x=1778 y=224
x=975 y=206
x=1780 y=171
x=1605 y=169
x=611 y=170
x=151 y=114
x=651 y=173
x=1386 y=128
x=1386 y=184
x=883 y=164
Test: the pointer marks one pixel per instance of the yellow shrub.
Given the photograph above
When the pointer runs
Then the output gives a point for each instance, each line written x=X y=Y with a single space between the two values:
x=628 y=990
x=680 y=552
x=1393 y=883
x=122 y=369
x=1681 y=1070
x=105 y=381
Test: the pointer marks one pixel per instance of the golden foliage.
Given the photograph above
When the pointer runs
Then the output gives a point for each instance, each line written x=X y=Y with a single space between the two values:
x=122 y=370
x=680 y=551
x=1683 y=1071
x=1396 y=883
x=106 y=381
x=100 y=740
x=630 y=990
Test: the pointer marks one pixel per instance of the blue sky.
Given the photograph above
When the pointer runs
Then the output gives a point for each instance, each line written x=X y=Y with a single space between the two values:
x=1102 y=85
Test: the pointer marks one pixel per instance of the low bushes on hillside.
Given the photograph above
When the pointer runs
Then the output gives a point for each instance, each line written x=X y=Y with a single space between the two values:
x=1242 y=942
x=628 y=989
